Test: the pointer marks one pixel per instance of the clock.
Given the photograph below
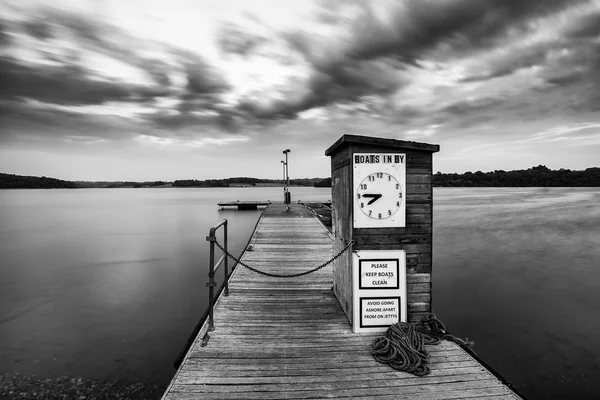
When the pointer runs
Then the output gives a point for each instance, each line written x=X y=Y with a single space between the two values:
x=379 y=186
x=380 y=195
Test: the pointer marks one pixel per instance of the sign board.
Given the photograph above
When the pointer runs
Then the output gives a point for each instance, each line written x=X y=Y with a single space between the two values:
x=379 y=294
x=380 y=312
x=378 y=273
x=379 y=190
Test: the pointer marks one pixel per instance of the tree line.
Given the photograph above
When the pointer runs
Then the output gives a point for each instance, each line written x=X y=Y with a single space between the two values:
x=10 y=181
x=535 y=176
x=245 y=181
x=540 y=176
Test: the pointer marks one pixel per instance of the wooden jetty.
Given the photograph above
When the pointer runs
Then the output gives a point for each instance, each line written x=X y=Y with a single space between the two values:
x=244 y=205
x=278 y=338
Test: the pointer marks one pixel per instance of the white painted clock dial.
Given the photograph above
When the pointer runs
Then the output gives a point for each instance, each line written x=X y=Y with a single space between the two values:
x=379 y=183
x=379 y=195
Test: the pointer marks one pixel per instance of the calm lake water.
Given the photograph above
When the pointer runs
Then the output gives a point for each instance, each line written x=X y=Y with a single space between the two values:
x=109 y=283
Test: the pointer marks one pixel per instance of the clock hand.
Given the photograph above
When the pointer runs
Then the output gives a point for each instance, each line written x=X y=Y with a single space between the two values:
x=374 y=197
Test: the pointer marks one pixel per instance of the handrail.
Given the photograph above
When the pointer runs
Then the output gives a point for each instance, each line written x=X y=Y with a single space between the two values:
x=214 y=228
x=211 y=284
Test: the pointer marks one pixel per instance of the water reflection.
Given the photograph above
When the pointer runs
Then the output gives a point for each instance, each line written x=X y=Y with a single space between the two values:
x=109 y=283
x=517 y=272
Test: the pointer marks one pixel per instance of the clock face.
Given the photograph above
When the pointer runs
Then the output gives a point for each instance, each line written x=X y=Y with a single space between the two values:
x=379 y=195
x=378 y=190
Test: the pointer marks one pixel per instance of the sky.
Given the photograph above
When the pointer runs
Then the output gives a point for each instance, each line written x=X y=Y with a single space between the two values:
x=202 y=89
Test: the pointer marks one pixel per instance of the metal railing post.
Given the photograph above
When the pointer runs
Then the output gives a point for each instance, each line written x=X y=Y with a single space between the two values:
x=226 y=282
x=211 y=284
x=211 y=281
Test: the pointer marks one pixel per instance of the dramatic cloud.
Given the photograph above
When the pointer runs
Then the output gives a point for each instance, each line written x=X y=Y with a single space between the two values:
x=331 y=84
x=66 y=84
x=276 y=72
x=506 y=61
x=235 y=40
x=372 y=48
x=201 y=78
x=4 y=37
x=64 y=58
x=412 y=28
x=39 y=28
x=45 y=124
x=75 y=41
x=587 y=26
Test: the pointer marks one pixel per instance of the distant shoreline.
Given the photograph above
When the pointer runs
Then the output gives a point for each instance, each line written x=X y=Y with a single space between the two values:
x=12 y=181
x=539 y=176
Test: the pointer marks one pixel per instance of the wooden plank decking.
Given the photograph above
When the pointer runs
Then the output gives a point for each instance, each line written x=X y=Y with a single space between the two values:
x=289 y=338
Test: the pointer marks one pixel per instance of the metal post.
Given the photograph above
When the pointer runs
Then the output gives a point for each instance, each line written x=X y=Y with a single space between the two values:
x=211 y=281
x=287 y=168
x=283 y=164
x=211 y=284
x=226 y=283
x=288 y=197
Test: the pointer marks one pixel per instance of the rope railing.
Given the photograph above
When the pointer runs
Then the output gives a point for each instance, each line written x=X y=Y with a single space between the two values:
x=211 y=284
x=310 y=271
x=212 y=238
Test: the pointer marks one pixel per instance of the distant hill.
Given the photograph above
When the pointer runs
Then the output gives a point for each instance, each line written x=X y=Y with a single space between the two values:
x=10 y=181
x=119 y=184
x=540 y=176
x=245 y=181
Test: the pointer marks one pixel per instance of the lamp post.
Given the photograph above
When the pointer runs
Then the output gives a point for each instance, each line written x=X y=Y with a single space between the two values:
x=288 y=197
x=283 y=181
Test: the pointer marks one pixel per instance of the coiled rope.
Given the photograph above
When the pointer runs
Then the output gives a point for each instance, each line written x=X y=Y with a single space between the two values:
x=402 y=346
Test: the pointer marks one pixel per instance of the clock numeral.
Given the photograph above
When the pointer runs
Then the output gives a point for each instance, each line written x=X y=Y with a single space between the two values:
x=359 y=195
x=362 y=205
x=389 y=212
x=380 y=175
x=400 y=195
x=397 y=204
x=397 y=186
x=389 y=177
x=363 y=186
x=370 y=212
x=371 y=178
x=379 y=215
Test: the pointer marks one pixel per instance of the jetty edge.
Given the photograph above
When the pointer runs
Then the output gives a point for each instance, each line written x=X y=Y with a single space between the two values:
x=280 y=338
x=244 y=205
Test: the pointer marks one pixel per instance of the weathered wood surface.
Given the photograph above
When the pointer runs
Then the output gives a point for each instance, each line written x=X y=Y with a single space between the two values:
x=289 y=338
